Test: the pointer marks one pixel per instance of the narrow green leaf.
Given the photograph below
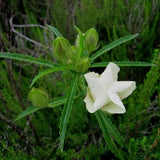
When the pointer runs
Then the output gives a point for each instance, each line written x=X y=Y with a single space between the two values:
x=113 y=131
x=45 y=72
x=27 y=112
x=26 y=58
x=107 y=137
x=58 y=101
x=112 y=45
x=54 y=30
x=67 y=111
x=109 y=141
x=123 y=64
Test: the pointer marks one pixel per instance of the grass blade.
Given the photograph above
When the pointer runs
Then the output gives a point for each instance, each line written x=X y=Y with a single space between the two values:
x=123 y=64
x=27 y=112
x=67 y=110
x=54 y=30
x=112 y=45
x=26 y=58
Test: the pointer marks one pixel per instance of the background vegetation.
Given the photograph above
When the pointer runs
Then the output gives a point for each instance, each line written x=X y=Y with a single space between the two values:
x=36 y=137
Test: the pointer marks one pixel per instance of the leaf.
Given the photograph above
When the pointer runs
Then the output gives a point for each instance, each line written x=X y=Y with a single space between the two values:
x=67 y=110
x=109 y=141
x=58 y=101
x=27 y=112
x=123 y=63
x=26 y=58
x=112 y=45
x=113 y=131
x=54 y=30
x=45 y=72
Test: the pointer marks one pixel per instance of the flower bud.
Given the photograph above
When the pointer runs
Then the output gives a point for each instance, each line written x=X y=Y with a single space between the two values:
x=82 y=64
x=38 y=97
x=61 y=48
x=91 y=40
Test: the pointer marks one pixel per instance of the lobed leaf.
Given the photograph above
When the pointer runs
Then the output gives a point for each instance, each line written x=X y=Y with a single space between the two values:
x=67 y=110
x=26 y=58
x=123 y=64
x=112 y=45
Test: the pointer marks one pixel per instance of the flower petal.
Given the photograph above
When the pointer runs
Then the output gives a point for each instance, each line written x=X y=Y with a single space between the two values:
x=89 y=103
x=101 y=101
x=113 y=108
x=116 y=99
x=123 y=88
x=111 y=72
x=96 y=85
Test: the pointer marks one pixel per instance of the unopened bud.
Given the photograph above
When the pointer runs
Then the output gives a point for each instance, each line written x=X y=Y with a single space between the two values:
x=61 y=48
x=38 y=97
x=91 y=40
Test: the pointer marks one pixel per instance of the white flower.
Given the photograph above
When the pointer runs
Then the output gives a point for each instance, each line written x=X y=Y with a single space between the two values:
x=105 y=92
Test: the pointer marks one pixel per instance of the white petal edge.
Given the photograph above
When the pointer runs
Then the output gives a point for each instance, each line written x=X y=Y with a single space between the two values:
x=111 y=72
x=96 y=85
x=101 y=101
x=89 y=103
x=115 y=99
x=123 y=88
x=113 y=109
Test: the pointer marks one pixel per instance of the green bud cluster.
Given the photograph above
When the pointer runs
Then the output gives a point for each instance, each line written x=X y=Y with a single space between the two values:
x=38 y=97
x=76 y=56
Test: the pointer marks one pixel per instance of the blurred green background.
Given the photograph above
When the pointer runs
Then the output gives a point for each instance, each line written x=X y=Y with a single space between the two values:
x=140 y=125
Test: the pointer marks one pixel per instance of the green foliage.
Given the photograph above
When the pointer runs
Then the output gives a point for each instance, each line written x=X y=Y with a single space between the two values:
x=27 y=112
x=10 y=153
x=109 y=131
x=124 y=63
x=145 y=147
x=45 y=72
x=26 y=58
x=112 y=19
x=67 y=110
x=54 y=30
x=112 y=45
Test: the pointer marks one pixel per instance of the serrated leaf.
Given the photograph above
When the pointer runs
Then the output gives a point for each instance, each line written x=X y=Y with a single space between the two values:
x=113 y=131
x=108 y=139
x=45 y=72
x=123 y=64
x=54 y=30
x=112 y=45
x=26 y=58
x=67 y=110
x=27 y=112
